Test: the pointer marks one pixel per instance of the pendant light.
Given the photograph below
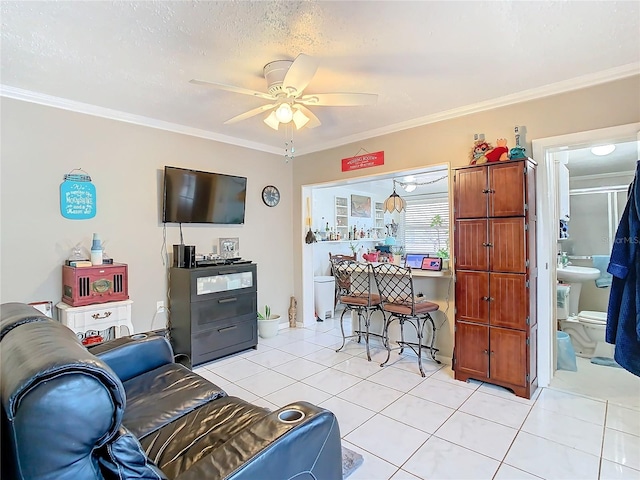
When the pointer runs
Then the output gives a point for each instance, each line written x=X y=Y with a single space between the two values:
x=395 y=202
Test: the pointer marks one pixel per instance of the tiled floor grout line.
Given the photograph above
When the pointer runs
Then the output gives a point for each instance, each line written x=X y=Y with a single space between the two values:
x=324 y=336
x=516 y=436
x=604 y=432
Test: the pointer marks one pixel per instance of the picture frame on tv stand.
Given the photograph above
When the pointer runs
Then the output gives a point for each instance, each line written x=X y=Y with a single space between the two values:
x=229 y=247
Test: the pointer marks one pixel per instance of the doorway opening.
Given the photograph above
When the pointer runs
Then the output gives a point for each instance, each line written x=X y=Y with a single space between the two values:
x=353 y=209
x=550 y=153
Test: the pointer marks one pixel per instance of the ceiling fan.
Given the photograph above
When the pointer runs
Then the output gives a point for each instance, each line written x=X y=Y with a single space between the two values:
x=286 y=81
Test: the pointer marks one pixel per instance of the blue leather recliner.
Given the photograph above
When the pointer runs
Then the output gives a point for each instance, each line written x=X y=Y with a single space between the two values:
x=124 y=409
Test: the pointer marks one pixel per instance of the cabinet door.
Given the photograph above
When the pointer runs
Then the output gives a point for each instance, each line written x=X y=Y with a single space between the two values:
x=508 y=248
x=472 y=251
x=509 y=300
x=471 y=193
x=508 y=356
x=472 y=296
x=472 y=342
x=506 y=190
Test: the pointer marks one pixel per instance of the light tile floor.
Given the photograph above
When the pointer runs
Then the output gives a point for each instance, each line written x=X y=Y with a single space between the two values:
x=408 y=427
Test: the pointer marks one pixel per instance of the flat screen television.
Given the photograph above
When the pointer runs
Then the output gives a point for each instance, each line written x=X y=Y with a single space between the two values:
x=192 y=196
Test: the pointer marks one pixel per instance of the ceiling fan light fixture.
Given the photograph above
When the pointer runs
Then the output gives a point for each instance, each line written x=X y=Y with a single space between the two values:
x=272 y=121
x=284 y=113
x=300 y=119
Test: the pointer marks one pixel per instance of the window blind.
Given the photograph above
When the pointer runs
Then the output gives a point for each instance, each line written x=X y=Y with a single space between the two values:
x=419 y=236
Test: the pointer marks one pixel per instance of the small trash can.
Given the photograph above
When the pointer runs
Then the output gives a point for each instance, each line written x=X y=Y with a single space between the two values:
x=324 y=294
x=566 y=353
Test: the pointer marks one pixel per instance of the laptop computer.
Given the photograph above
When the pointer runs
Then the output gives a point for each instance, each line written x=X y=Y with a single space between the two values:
x=414 y=260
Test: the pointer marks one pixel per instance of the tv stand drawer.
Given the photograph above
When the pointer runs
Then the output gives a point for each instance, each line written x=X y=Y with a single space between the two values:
x=224 y=338
x=206 y=315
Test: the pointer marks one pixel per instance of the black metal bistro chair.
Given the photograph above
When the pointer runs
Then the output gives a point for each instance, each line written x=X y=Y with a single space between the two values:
x=356 y=278
x=395 y=285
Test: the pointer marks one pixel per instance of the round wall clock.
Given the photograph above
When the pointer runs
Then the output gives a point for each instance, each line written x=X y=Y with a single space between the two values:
x=270 y=196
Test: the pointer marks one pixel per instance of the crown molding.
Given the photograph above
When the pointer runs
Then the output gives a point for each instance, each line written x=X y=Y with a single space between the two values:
x=577 y=83
x=88 y=109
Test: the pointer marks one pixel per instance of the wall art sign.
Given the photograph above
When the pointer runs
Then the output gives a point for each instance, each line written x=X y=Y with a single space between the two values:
x=77 y=196
x=363 y=161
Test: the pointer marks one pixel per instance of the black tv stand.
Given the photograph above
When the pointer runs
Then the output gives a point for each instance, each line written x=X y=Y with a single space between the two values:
x=213 y=310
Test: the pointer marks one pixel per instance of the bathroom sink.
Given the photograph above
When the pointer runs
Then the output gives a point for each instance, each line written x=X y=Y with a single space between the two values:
x=573 y=273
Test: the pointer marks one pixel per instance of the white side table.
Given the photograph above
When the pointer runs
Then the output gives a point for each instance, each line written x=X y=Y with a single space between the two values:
x=98 y=317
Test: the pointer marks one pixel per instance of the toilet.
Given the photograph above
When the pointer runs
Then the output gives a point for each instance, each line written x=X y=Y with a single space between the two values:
x=587 y=332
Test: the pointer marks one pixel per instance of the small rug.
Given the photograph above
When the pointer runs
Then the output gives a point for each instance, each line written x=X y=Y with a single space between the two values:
x=606 y=361
x=350 y=461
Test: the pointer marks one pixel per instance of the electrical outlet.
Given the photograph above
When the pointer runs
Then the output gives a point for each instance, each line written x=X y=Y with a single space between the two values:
x=159 y=305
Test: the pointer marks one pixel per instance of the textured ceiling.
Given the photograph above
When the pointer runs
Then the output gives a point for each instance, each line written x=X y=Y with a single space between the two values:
x=425 y=60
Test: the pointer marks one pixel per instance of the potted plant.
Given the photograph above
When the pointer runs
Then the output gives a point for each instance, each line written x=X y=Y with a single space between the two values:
x=397 y=252
x=442 y=252
x=268 y=323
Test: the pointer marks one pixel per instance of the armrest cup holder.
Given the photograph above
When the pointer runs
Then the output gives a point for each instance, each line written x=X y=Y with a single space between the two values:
x=291 y=415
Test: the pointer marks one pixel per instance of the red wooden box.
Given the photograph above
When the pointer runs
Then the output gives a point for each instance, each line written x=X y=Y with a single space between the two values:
x=98 y=284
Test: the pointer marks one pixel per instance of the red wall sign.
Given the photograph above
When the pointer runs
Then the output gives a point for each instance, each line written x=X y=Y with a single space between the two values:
x=363 y=161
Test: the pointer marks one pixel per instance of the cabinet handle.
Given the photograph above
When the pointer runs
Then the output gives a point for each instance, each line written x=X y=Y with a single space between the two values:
x=486 y=352
x=488 y=299
x=491 y=353
x=488 y=190
x=228 y=300
x=97 y=316
x=232 y=327
x=487 y=244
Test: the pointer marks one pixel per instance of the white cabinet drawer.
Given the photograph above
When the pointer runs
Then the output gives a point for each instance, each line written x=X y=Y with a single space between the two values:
x=98 y=317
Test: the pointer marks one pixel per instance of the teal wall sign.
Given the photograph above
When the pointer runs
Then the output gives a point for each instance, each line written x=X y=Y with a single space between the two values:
x=77 y=196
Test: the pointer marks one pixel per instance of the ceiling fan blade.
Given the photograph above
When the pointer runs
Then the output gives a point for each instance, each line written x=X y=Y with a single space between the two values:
x=250 y=113
x=313 y=120
x=231 y=88
x=339 y=99
x=299 y=74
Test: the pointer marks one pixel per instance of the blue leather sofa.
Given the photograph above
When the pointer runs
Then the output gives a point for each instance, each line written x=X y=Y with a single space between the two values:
x=124 y=409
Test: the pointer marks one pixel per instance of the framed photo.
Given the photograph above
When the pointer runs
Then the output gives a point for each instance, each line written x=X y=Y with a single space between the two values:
x=229 y=247
x=360 y=206
x=432 y=263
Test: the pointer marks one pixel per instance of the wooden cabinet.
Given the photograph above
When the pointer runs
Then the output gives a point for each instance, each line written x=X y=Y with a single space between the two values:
x=496 y=190
x=494 y=259
x=213 y=311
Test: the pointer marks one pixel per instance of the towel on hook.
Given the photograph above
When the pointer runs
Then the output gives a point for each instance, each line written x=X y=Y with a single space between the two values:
x=601 y=262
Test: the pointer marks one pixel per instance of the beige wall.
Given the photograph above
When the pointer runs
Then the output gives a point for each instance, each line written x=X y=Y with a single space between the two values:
x=611 y=104
x=40 y=144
